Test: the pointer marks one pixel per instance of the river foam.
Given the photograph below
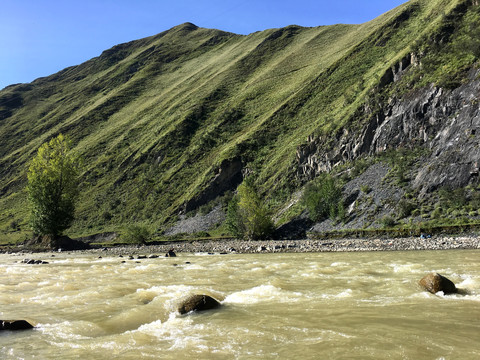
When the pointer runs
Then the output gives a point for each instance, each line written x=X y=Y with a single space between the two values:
x=262 y=293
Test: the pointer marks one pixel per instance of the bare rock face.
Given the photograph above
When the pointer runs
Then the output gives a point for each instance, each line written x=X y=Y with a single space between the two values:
x=198 y=303
x=435 y=282
x=15 y=325
x=444 y=121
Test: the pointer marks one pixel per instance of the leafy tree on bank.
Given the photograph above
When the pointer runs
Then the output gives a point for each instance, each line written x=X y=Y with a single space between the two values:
x=323 y=199
x=232 y=222
x=247 y=215
x=53 y=187
x=137 y=234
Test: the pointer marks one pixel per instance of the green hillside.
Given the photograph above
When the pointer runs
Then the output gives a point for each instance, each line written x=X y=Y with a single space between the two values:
x=156 y=119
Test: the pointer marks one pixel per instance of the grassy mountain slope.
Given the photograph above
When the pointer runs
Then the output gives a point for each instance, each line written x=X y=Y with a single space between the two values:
x=158 y=118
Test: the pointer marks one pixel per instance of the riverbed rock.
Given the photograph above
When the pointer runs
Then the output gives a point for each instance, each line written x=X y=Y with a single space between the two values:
x=435 y=282
x=170 y=253
x=15 y=325
x=33 y=262
x=197 y=303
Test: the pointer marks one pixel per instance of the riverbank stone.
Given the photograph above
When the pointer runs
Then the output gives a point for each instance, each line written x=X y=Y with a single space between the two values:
x=435 y=282
x=197 y=303
x=15 y=325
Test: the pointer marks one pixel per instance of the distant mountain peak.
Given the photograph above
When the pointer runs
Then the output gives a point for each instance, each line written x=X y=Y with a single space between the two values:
x=187 y=26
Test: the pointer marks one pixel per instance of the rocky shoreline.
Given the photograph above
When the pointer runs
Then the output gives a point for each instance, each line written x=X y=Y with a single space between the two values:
x=286 y=246
x=297 y=246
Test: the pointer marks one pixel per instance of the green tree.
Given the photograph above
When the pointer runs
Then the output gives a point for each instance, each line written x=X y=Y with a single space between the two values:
x=247 y=215
x=53 y=187
x=232 y=221
x=323 y=198
x=138 y=234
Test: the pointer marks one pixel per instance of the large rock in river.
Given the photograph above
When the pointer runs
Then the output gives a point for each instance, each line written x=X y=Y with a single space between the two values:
x=15 y=325
x=197 y=303
x=435 y=282
x=170 y=253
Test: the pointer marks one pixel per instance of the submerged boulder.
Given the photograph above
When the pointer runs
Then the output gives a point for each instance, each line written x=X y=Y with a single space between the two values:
x=197 y=303
x=15 y=325
x=435 y=282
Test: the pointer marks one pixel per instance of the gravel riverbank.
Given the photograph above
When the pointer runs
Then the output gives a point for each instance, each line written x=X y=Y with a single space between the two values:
x=299 y=246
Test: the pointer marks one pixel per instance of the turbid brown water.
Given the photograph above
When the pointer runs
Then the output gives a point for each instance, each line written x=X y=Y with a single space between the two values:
x=275 y=306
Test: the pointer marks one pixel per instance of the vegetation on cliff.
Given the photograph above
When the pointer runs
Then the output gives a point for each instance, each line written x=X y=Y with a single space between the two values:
x=323 y=199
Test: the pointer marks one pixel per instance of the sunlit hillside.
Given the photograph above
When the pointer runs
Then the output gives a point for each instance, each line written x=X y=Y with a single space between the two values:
x=158 y=120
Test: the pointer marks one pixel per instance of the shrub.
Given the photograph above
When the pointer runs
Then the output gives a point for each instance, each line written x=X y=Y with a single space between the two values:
x=232 y=220
x=14 y=225
x=365 y=189
x=107 y=215
x=137 y=234
x=341 y=213
x=400 y=171
x=387 y=221
x=205 y=209
x=453 y=199
x=247 y=215
x=405 y=208
x=475 y=199
x=201 y=234
x=437 y=213
x=323 y=198
x=360 y=166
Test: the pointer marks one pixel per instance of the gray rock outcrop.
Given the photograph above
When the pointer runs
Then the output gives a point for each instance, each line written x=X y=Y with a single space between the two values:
x=444 y=122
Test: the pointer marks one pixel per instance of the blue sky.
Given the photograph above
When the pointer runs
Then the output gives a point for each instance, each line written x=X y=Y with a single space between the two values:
x=41 y=37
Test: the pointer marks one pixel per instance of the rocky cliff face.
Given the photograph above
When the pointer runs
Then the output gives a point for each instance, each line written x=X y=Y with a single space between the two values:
x=446 y=122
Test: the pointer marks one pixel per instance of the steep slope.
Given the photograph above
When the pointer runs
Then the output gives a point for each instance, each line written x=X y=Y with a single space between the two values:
x=421 y=124
x=168 y=123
